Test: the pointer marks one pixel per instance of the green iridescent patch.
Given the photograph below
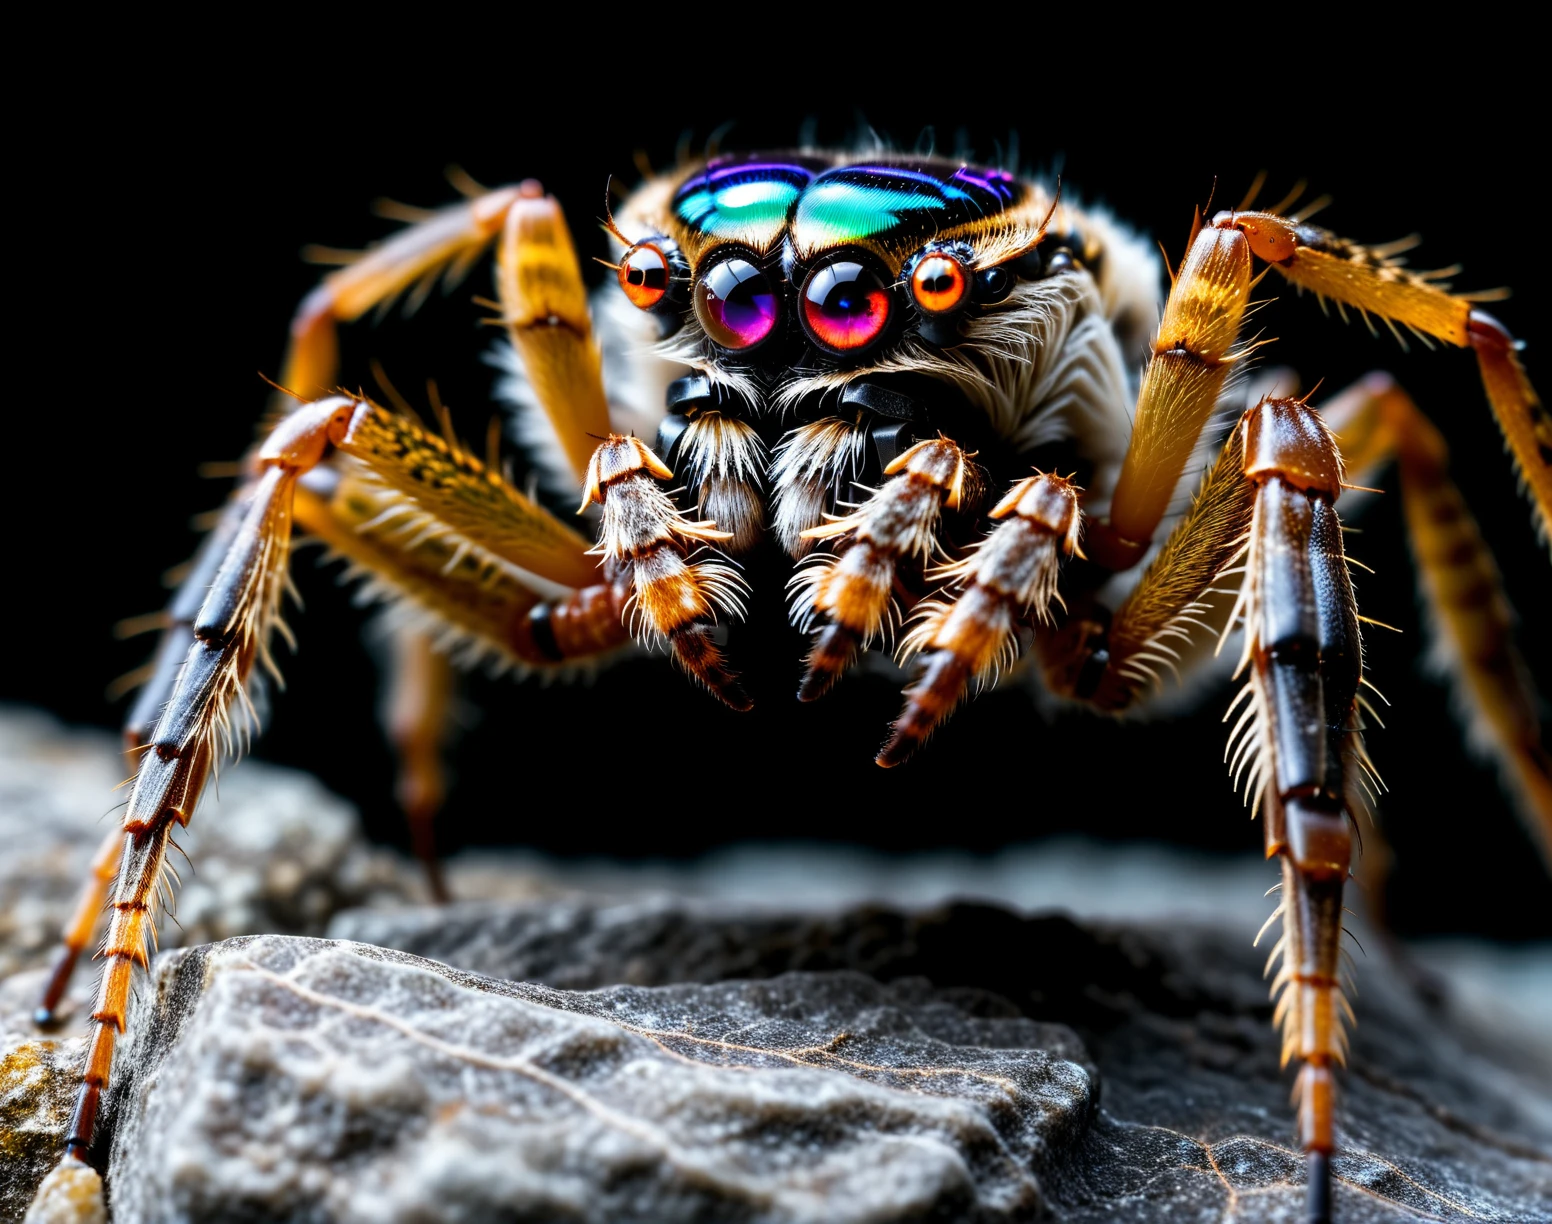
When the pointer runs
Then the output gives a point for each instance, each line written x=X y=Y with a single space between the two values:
x=832 y=213
x=745 y=201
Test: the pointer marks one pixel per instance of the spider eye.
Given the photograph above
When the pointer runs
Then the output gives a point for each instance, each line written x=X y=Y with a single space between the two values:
x=736 y=304
x=939 y=284
x=644 y=275
x=845 y=306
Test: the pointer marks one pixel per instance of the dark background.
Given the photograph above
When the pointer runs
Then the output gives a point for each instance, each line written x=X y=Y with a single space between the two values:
x=164 y=263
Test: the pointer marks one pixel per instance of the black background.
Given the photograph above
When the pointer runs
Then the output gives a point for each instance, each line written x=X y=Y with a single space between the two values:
x=173 y=199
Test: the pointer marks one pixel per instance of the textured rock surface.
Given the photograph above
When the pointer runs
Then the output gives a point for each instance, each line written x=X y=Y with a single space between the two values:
x=285 y=1079
x=273 y=851
x=1440 y=1120
x=844 y=1048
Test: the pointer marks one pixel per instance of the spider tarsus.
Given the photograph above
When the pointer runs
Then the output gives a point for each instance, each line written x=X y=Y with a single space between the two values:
x=834 y=649
x=46 y=1014
x=1318 y=1172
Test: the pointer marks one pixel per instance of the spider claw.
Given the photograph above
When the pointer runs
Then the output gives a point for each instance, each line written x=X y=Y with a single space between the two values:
x=698 y=654
x=928 y=702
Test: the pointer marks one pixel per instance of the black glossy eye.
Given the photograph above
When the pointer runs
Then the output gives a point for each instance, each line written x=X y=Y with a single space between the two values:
x=736 y=304
x=845 y=306
x=993 y=284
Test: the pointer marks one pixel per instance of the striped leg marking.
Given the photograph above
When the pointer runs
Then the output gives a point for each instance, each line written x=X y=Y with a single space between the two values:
x=229 y=633
x=1008 y=580
x=850 y=592
x=647 y=543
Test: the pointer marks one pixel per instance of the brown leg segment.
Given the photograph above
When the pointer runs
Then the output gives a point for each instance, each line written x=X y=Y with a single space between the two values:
x=420 y=689
x=1373 y=282
x=1473 y=623
x=852 y=591
x=230 y=632
x=1192 y=356
x=448 y=241
x=82 y=925
x=1306 y=659
x=452 y=587
x=1008 y=579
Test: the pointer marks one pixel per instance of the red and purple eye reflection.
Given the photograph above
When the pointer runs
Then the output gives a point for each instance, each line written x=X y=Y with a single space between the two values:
x=845 y=306
x=736 y=304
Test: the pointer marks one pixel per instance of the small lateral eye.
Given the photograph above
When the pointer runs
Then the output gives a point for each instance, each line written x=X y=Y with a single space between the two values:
x=845 y=306
x=644 y=275
x=736 y=304
x=939 y=284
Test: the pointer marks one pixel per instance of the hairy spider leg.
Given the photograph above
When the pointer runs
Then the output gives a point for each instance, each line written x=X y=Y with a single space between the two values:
x=1376 y=420
x=1193 y=355
x=971 y=629
x=231 y=631
x=172 y=651
x=1304 y=655
x=544 y=308
x=446 y=585
x=427 y=520
x=651 y=548
x=1174 y=611
x=1372 y=281
x=851 y=590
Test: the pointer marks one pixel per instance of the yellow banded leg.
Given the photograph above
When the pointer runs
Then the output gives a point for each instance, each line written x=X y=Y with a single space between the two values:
x=1376 y=420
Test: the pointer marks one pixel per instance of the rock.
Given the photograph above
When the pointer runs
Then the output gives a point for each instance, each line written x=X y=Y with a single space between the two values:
x=783 y=1054
x=1440 y=1118
x=272 y=851
x=283 y=1079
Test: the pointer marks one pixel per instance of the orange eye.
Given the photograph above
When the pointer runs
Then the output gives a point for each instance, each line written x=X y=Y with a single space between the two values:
x=938 y=283
x=644 y=275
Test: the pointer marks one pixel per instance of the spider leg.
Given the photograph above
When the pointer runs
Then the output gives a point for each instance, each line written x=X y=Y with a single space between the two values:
x=1375 y=420
x=420 y=689
x=449 y=241
x=1305 y=660
x=1009 y=577
x=1357 y=276
x=852 y=589
x=82 y=924
x=467 y=555
x=1112 y=660
x=649 y=547
x=230 y=632
x=1193 y=354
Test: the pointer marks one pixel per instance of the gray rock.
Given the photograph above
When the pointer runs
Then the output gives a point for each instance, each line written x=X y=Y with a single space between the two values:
x=272 y=851
x=287 y=1079
x=1440 y=1119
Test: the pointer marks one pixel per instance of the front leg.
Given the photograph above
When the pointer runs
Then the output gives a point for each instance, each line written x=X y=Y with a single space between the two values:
x=1008 y=580
x=228 y=634
x=649 y=547
x=850 y=593
x=1305 y=659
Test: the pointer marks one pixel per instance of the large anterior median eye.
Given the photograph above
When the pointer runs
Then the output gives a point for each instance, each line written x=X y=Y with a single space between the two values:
x=736 y=304
x=845 y=306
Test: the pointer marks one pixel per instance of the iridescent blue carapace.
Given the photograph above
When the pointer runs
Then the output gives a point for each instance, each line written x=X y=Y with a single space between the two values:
x=892 y=206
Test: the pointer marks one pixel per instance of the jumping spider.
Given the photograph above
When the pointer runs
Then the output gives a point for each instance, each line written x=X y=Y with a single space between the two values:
x=874 y=362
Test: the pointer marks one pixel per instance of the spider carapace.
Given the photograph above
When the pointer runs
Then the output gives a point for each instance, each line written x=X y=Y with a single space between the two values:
x=948 y=395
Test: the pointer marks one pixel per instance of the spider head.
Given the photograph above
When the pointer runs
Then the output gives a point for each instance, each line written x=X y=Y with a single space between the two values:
x=796 y=264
